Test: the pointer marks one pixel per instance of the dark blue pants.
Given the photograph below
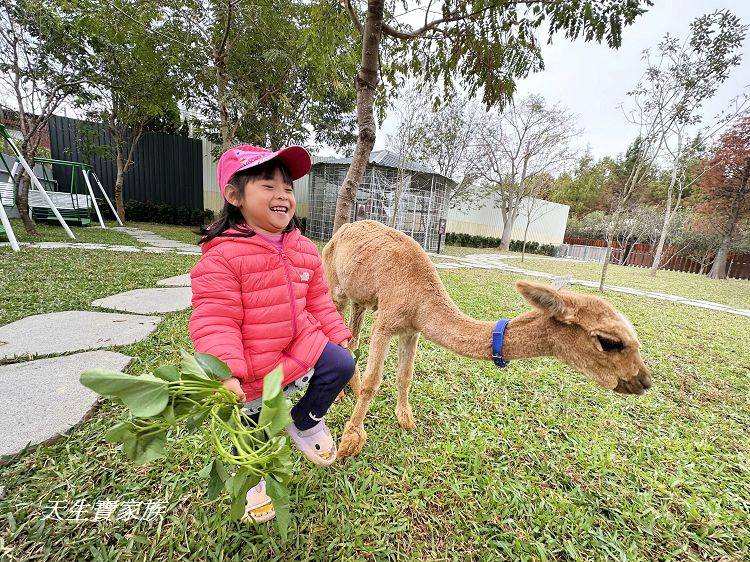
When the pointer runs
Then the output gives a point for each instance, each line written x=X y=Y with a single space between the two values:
x=333 y=370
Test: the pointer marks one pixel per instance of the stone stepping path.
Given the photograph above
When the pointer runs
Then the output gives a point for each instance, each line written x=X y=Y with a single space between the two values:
x=63 y=332
x=176 y=281
x=43 y=398
x=494 y=261
x=53 y=398
x=148 y=301
x=193 y=251
x=155 y=240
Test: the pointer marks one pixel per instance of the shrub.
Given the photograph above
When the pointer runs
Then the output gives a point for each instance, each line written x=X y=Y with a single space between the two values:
x=476 y=241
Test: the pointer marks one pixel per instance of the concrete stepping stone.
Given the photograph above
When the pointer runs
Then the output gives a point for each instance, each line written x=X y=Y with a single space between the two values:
x=447 y=266
x=74 y=330
x=41 y=399
x=148 y=301
x=176 y=281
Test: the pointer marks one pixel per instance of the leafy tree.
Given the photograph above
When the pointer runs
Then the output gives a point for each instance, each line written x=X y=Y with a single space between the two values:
x=672 y=91
x=39 y=53
x=726 y=189
x=584 y=187
x=133 y=72
x=268 y=73
x=486 y=46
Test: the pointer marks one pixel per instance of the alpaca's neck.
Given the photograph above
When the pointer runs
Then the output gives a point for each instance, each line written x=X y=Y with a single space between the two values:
x=527 y=335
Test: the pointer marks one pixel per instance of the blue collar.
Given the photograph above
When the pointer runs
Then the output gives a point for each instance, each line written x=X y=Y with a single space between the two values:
x=497 y=343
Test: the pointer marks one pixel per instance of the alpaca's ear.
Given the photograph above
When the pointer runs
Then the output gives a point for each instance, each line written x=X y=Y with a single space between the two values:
x=547 y=299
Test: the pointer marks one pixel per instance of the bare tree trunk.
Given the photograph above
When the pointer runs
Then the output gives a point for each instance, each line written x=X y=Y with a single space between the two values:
x=668 y=212
x=119 y=183
x=366 y=83
x=397 y=198
x=24 y=184
x=612 y=228
x=22 y=203
x=607 y=257
x=525 y=235
x=507 y=231
x=662 y=241
x=719 y=267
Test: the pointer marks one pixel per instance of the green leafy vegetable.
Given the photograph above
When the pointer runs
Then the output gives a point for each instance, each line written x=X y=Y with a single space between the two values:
x=192 y=393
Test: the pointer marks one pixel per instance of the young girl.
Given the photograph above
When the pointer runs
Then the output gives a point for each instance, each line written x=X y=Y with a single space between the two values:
x=260 y=300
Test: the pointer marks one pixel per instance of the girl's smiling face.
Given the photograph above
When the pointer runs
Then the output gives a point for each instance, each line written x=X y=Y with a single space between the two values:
x=267 y=202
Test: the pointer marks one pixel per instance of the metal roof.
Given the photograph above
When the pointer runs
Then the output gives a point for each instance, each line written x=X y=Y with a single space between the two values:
x=385 y=158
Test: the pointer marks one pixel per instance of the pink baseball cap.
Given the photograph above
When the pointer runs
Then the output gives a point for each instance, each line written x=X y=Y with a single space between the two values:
x=244 y=156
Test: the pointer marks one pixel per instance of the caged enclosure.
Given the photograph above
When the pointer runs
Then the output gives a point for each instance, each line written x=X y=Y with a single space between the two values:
x=400 y=193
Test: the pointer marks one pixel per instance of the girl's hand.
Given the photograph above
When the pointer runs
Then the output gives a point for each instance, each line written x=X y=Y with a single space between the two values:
x=345 y=344
x=233 y=384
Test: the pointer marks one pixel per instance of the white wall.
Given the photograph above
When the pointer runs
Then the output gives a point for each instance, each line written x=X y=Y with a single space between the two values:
x=547 y=226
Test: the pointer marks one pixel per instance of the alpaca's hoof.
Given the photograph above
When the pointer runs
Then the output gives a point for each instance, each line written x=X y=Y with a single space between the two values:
x=352 y=441
x=340 y=396
x=406 y=418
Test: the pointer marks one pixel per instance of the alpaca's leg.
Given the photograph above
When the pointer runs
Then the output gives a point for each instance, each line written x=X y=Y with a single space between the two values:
x=356 y=318
x=355 y=326
x=407 y=350
x=354 y=436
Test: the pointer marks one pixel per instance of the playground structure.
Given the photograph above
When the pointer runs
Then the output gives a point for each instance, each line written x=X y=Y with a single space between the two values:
x=49 y=205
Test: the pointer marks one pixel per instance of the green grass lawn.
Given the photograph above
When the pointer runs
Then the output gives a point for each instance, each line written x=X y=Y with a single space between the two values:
x=34 y=281
x=734 y=292
x=53 y=232
x=172 y=231
x=530 y=462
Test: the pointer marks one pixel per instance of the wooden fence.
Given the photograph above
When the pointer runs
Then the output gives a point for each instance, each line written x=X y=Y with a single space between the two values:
x=642 y=255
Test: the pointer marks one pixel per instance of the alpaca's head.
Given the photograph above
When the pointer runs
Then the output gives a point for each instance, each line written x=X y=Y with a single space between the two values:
x=588 y=334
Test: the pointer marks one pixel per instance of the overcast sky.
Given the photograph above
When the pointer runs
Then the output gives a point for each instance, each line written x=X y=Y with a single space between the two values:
x=592 y=80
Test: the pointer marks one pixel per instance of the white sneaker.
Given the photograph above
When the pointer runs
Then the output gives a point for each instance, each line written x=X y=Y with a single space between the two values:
x=259 y=507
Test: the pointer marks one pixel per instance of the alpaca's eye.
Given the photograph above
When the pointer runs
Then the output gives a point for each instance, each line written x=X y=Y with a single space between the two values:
x=609 y=345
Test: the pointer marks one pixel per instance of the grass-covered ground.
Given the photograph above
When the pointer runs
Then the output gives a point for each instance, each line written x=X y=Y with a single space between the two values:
x=34 y=281
x=530 y=462
x=53 y=232
x=734 y=292
x=186 y=234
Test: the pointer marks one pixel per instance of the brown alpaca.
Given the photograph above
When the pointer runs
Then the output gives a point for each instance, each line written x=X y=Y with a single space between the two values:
x=377 y=267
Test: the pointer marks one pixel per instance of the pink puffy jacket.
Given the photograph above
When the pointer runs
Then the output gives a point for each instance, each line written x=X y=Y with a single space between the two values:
x=256 y=307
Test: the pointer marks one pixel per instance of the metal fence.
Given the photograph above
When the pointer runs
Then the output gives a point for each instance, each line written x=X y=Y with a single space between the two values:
x=738 y=265
x=421 y=203
x=583 y=253
x=166 y=168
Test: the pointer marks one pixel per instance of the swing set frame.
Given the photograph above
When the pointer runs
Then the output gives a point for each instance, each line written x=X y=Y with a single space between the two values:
x=85 y=170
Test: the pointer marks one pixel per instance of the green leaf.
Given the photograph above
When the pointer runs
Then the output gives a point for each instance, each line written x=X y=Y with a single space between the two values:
x=225 y=413
x=279 y=495
x=239 y=500
x=216 y=479
x=182 y=407
x=117 y=433
x=197 y=419
x=357 y=353
x=205 y=472
x=213 y=366
x=168 y=414
x=190 y=365
x=142 y=449
x=145 y=395
x=234 y=484
x=168 y=373
x=275 y=409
